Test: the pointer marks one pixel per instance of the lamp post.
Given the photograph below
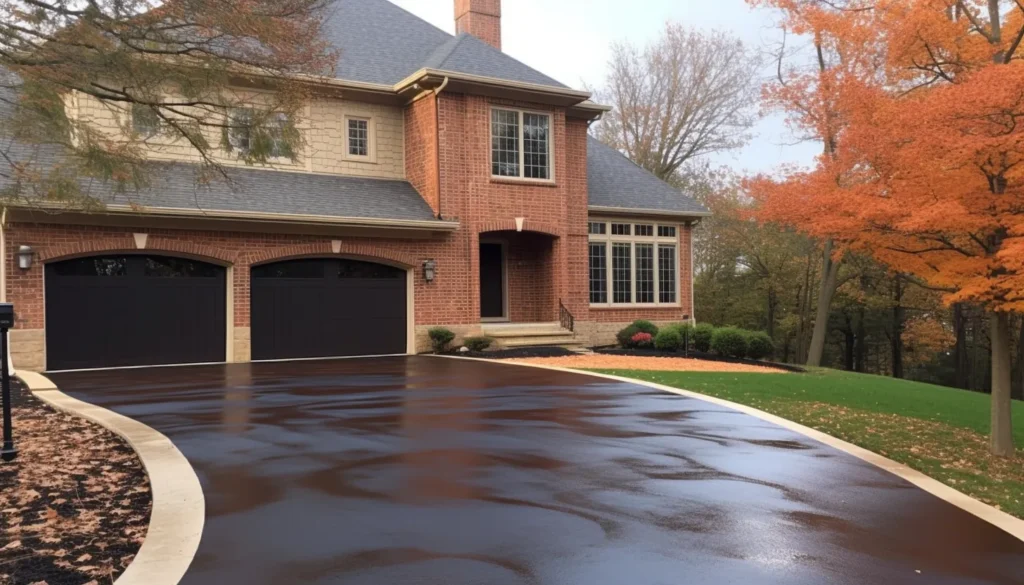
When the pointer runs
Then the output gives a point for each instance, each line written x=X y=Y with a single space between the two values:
x=9 y=451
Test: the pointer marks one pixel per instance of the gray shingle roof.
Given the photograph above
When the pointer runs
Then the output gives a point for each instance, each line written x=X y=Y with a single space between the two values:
x=177 y=186
x=615 y=181
x=380 y=42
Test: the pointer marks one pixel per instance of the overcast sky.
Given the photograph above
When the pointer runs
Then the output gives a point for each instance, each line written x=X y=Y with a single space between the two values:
x=570 y=40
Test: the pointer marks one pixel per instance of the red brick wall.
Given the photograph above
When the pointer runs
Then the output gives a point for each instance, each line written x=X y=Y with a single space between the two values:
x=480 y=18
x=530 y=279
x=438 y=302
x=484 y=204
x=421 y=149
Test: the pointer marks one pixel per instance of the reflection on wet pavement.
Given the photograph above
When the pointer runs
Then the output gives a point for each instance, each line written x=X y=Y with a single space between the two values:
x=428 y=470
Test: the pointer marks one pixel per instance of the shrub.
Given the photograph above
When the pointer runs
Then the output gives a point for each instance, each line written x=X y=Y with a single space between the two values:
x=702 y=335
x=669 y=339
x=759 y=345
x=440 y=338
x=642 y=340
x=625 y=337
x=478 y=343
x=646 y=327
x=729 y=342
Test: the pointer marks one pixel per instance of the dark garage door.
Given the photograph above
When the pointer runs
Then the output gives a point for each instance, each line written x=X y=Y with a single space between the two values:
x=126 y=310
x=327 y=308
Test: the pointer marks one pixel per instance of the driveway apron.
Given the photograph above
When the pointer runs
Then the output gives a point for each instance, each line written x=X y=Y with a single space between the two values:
x=417 y=470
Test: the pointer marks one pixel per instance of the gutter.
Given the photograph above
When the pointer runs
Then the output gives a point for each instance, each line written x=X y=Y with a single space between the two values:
x=637 y=211
x=286 y=218
x=582 y=96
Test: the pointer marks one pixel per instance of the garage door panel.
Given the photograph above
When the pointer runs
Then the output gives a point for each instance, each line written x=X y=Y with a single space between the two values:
x=110 y=311
x=327 y=308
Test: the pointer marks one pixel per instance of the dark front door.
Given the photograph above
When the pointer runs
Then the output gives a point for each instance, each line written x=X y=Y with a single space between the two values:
x=327 y=308
x=492 y=281
x=125 y=310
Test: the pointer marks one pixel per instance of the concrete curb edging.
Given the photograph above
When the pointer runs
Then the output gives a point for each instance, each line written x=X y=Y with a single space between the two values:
x=179 y=507
x=1002 y=520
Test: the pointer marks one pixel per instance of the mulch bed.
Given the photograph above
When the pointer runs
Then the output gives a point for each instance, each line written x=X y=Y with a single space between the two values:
x=75 y=503
x=697 y=355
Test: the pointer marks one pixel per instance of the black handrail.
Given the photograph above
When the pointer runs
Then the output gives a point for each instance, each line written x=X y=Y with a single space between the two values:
x=565 y=318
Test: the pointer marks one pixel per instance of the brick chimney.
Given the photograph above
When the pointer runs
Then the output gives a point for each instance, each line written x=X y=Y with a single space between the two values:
x=480 y=18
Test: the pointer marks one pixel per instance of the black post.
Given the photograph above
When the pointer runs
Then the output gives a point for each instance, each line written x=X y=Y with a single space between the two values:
x=9 y=452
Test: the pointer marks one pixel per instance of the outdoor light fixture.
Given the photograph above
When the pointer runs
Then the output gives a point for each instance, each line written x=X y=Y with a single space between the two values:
x=8 y=452
x=429 y=270
x=25 y=257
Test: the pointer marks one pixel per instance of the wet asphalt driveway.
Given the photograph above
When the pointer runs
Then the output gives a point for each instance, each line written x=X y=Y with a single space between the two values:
x=425 y=470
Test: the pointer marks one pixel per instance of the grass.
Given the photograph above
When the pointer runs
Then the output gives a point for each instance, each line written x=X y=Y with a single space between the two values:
x=942 y=432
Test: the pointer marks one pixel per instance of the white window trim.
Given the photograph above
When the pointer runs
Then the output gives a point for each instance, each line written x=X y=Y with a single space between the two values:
x=608 y=239
x=522 y=150
x=371 y=139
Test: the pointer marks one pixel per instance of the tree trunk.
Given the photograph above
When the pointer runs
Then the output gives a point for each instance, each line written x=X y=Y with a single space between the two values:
x=848 y=348
x=829 y=279
x=773 y=301
x=860 y=358
x=898 y=318
x=1002 y=423
x=1017 y=392
x=960 y=362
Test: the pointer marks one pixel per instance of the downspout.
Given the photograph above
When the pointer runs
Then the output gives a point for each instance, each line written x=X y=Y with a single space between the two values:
x=3 y=256
x=437 y=141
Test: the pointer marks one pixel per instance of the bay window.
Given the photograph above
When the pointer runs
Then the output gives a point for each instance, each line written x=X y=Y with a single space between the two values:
x=633 y=264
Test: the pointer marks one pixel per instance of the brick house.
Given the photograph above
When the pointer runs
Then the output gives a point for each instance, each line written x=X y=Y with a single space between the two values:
x=442 y=183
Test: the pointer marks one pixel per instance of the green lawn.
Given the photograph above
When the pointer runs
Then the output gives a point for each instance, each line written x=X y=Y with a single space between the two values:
x=939 y=431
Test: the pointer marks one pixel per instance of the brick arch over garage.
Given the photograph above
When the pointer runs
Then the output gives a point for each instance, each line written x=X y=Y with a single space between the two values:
x=154 y=245
x=329 y=249
x=529 y=225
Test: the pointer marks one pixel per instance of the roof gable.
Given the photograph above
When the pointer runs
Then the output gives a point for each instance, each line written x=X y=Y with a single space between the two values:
x=380 y=42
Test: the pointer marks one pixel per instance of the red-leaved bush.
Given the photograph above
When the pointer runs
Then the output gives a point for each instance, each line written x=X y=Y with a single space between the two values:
x=642 y=340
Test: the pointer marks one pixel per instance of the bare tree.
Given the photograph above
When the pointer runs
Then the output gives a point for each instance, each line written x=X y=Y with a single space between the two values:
x=687 y=94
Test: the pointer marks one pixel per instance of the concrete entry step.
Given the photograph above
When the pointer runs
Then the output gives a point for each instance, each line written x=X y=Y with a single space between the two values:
x=515 y=335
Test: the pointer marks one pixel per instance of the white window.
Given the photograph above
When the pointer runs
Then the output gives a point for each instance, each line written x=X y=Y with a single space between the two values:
x=358 y=137
x=631 y=265
x=145 y=120
x=242 y=132
x=520 y=144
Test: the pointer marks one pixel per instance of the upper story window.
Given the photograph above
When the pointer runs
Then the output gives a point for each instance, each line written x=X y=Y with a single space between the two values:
x=242 y=132
x=520 y=144
x=358 y=137
x=145 y=120
x=633 y=264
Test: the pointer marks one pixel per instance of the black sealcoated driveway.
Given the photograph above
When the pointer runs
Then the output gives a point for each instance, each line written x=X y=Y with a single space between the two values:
x=424 y=470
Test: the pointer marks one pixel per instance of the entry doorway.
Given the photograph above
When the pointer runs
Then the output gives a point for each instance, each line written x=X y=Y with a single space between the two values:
x=493 y=282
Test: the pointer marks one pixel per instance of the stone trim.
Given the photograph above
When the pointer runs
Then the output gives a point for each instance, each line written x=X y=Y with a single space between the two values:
x=179 y=507
x=998 y=518
x=509 y=225
x=327 y=248
x=127 y=243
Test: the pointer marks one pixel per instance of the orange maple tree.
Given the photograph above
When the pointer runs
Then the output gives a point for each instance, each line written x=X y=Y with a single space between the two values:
x=924 y=169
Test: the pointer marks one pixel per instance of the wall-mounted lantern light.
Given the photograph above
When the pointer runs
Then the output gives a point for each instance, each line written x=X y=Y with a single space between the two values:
x=25 y=257
x=429 y=270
